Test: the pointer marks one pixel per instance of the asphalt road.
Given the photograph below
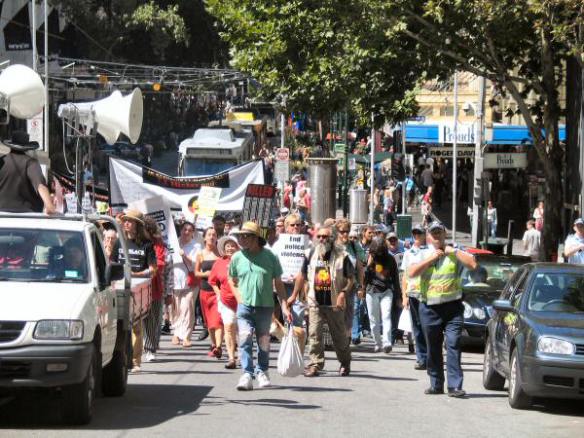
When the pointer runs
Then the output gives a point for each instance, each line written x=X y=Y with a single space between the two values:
x=185 y=394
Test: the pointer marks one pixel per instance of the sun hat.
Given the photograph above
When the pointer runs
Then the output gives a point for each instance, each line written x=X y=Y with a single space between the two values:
x=251 y=228
x=20 y=141
x=223 y=241
x=134 y=215
x=579 y=221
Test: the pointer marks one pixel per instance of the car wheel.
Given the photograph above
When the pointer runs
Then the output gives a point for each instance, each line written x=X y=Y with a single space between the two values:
x=78 y=399
x=492 y=380
x=518 y=399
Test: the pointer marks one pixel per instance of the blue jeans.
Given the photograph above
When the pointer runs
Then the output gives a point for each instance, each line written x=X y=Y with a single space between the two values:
x=421 y=349
x=358 y=307
x=252 y=320
x=439 y=321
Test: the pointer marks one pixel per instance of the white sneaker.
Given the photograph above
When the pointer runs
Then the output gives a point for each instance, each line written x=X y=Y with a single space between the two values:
x=377 y=349
x=135 y=369
x=263 y=380
x=150 y=357
x=245 y=382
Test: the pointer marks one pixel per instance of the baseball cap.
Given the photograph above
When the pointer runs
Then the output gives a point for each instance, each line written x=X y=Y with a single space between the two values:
x=579 y=221
x=419 y=228
x=436 y=225
x=392 y=235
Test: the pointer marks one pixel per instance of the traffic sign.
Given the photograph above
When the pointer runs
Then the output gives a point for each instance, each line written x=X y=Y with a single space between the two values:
x=282 y=154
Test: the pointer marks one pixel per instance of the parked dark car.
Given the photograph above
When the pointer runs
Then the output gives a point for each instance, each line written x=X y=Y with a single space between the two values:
x=536 y=335
x=481 y=287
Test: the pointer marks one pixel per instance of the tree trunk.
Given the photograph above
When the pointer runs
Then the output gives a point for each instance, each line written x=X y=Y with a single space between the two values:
x=553 y=207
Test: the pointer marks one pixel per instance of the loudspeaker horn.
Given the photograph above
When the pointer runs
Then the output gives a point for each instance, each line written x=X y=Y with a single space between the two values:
x=110 y=116
x=24 y=90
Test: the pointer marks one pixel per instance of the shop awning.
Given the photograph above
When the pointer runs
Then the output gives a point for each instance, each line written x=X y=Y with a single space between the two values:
x=499 y=134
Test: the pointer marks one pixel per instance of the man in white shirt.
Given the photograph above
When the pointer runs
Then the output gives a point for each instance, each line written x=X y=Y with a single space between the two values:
x=531 y=241
x=574 y=245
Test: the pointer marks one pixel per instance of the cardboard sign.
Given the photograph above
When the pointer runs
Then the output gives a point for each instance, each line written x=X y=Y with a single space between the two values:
x=290 y=250
x=258 y=204
x=282 y=171
x=206 y=206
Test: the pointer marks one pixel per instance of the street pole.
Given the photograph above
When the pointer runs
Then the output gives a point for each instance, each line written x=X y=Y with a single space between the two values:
x=404 y=192
x=581 y=142
x=346 y=168
x=372 y=176
x=454 y=157
x=478 y=164
x=282 y=129
x=46 y=119
x=34 y=42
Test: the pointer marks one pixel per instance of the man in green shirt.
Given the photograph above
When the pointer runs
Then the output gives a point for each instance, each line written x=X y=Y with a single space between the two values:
x=253 y=273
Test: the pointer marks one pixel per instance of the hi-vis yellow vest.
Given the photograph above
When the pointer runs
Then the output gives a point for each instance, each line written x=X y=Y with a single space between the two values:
x=441 y=284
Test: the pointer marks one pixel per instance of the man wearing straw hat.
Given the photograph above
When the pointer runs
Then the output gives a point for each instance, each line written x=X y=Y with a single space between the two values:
x=253 y=272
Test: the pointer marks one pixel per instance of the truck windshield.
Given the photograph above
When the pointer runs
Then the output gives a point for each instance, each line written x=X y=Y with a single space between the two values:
x=51 y=256
x=199 y=167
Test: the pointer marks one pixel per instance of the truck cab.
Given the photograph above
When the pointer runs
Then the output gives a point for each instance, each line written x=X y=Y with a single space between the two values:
x=65 y=310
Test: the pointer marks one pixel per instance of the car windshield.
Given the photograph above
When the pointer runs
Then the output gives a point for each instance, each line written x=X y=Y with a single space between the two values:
x=198 y=167
x=557 y=292
x=52 y=256
x=494 y=273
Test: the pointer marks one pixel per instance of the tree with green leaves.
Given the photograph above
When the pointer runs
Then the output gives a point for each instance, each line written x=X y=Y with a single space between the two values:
x=365 y=54
x=173 y=32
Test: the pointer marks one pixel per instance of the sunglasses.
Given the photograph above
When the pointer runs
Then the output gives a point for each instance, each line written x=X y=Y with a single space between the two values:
x=295 y=225
x=343 y=231
x=322 y=236
x=246 y=235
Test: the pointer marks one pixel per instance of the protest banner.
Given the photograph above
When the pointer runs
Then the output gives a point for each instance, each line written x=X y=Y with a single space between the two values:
x=206 y=205
x=290 y=250
x=130 y=182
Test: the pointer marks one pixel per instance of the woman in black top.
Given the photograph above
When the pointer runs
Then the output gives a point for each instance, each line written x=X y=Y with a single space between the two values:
x=381 y=282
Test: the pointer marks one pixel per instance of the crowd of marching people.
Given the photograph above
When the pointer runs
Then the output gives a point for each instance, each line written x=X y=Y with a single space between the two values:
x=352 y=283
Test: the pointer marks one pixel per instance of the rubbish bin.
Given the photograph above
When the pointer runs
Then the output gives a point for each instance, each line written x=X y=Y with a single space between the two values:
x=497 y=246
x=358 y=206
x=404 y=226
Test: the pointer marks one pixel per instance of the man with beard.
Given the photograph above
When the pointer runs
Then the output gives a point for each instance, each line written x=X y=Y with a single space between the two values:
x=330 y=276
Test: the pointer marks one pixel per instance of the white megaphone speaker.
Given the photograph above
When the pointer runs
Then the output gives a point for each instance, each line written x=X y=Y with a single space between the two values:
x=22 y=93
x=110 y=116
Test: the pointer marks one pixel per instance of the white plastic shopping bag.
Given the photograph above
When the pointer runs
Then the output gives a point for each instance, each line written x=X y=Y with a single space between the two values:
x=290 y=361
x=405 y=321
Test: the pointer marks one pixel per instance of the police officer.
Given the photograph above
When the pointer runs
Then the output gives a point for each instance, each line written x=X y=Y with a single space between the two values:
x=441 y=309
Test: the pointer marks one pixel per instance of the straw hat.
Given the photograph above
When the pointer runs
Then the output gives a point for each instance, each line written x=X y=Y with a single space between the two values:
x=223 y=241
x=251 y=228
x=134 y=215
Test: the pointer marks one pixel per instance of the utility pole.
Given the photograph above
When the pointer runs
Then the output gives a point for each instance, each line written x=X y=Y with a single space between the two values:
x=34 y=28
x=404 y=192
x=454 y=157
x=478 y=163
x=46 y=119
x=372 y=176
x=346 y=168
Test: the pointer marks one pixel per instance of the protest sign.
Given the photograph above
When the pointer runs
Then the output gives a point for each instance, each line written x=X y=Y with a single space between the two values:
x=157 y=208
x=258 y=204
x=206 y=206
x=290 y=250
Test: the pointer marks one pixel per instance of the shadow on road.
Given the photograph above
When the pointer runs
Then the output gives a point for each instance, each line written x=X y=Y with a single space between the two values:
x=143 y=406
x=274 y=402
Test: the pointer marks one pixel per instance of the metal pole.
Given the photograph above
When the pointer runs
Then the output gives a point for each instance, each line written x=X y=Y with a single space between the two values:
x=372 y=176
x=346 y=168
x=282 y=129
x=404 y=192
x=478 y=164
x=34 y=29
x=454 y=157
x=46 y=119
x=581 y=142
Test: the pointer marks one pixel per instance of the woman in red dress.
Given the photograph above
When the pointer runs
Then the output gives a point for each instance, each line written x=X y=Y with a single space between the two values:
x=227 y=303
x=204 y=261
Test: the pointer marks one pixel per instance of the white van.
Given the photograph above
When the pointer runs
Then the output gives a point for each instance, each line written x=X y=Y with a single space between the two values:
x=64 y=324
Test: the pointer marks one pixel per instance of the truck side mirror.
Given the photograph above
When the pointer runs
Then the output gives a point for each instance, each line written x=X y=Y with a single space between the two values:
x=114 y=272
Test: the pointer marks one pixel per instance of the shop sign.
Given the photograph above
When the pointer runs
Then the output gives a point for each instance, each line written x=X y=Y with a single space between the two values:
x=446 y=152
x=516 y=160
x=465 y=133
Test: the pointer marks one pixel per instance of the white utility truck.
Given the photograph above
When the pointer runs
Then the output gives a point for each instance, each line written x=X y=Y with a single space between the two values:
x=65 y=310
